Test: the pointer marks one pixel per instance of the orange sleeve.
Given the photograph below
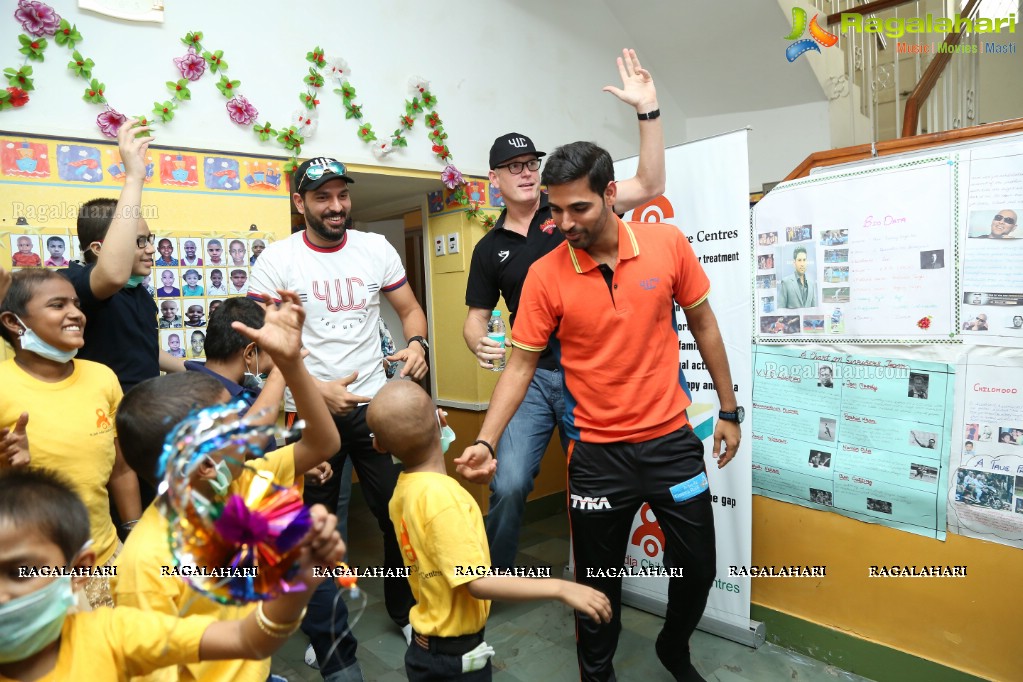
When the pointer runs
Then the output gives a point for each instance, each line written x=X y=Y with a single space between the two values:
x=691 y=283
x=538 y=314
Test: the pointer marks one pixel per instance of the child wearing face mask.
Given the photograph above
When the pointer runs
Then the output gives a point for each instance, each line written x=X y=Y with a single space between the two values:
x=440 y=531
x=276 y=332
x=44 y=528
x=41 y=319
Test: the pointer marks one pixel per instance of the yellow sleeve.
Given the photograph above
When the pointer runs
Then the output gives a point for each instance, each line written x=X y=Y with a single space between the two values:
x=141 y=641
x=280 y=462
x=139 y=583
x=452 y=541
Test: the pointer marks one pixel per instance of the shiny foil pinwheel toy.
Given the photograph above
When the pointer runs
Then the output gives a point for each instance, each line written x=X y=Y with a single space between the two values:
x=233 y=537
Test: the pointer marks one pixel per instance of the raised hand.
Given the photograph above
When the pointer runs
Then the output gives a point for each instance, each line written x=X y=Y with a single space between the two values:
x=14 y=444
x=281 y=333
x=637 y=84
x=133 y=149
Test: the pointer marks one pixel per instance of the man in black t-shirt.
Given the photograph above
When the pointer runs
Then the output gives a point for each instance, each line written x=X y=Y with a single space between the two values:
x=524 y=233
x=117 y=246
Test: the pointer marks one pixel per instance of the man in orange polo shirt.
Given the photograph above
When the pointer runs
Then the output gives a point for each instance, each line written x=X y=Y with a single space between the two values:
x=608 y=295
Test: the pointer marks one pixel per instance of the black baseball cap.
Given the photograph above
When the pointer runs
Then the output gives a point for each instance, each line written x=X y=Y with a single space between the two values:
x=509 y=146
x=315 y=172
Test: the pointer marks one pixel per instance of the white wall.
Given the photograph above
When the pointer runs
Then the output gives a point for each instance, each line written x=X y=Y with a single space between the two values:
x=525 y=66
x=781 y=138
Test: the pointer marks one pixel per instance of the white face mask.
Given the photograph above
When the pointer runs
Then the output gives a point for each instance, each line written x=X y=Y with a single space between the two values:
x=254 y=381
x=31 y=342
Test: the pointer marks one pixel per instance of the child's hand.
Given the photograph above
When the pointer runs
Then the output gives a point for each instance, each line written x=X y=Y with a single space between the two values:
x=322 y=545
x=281 y=333
x=14 y=444
x=586 y=600
x=319 y=474
x=133 y=149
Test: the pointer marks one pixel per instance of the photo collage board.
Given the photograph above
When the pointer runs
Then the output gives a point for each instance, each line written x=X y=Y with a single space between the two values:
x=192 y=275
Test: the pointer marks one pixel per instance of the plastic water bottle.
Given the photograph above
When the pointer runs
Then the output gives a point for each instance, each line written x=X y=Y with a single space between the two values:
x=495 y=331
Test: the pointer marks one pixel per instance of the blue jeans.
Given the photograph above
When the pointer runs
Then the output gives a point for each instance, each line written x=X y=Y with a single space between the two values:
x=518 y=462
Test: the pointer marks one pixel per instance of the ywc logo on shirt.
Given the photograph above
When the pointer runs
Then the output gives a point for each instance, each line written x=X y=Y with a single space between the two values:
x=332 y=293
x=584 y=502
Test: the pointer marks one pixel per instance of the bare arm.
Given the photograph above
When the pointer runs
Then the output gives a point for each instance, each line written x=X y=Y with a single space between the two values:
x=474 y=332
x=638 y=90
x=476 y=464
x=170 y=364
x=119 y=252
x=704 y=326
x=123 y=488
x=582 y=598
x=281 y=337
x=413 y=323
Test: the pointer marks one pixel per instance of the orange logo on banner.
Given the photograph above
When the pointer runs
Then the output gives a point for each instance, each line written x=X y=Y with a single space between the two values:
x=654 y=211
x=649 y=532
x=406 y=544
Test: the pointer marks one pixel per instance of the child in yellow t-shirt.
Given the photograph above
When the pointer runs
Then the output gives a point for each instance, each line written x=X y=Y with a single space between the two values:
x=143 y=430
x=71 y=404
x=440 y=531
x=44 y=529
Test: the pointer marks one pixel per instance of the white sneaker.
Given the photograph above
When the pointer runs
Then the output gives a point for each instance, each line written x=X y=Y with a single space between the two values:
x=407 y=631
x=310 y=658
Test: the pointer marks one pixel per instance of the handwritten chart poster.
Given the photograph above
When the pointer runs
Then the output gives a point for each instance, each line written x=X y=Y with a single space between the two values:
x=864 y=255
x=866 y=437
x=992 y=283
x=985 y=498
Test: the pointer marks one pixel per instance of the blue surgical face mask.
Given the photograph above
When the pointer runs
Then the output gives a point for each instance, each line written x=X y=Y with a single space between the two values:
x=222 y=483
x=30 y=623
x=255 y=381
x=447 y=437
x=134 y=281
x=31 y=342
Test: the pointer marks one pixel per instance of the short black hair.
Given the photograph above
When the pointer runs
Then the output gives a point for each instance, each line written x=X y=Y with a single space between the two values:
x=798 y=250
x=222 y=341
x=54 y=238
x=141 y=429
x=572 y=161
x=23 y=286
x=94 y=218
x=42 y=500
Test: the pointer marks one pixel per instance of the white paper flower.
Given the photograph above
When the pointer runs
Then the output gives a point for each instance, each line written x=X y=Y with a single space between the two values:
x=417 y=86
x=337 y=69
x=306 y=121
x=381 y=148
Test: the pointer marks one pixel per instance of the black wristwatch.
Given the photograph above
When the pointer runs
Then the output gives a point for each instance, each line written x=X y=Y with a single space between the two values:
x=422 y=342
x=737 y=416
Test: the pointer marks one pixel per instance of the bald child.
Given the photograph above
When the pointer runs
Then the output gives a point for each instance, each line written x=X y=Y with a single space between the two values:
x=440 y=531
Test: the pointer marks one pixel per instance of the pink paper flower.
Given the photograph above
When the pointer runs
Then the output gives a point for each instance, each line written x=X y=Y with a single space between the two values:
x=109 y=122
x=192 y=66
x=241 y=111
x=306 y=121
x=338 y=68
x=36 y=18
x=451 y=177
x=381 y=148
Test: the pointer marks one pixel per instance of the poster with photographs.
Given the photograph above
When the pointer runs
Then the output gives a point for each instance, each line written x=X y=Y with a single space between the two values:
x=985 y=495
x=50 y=247
x=992 y=280
x=863 y=256
x=206 y=270
x=863 y=436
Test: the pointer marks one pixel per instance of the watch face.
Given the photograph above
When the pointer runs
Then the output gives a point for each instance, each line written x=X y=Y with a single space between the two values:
x=740 y=413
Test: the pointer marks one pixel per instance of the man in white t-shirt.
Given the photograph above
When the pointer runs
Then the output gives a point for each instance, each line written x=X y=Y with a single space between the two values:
x=340 y=275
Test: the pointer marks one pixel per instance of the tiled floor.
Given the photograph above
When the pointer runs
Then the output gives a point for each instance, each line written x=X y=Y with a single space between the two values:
x=535 y=640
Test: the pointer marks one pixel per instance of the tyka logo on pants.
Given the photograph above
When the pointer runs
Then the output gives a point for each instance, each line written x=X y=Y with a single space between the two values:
x=584 y=502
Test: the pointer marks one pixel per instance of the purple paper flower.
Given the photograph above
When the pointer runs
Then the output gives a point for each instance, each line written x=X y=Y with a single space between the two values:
x=241 y=111
x=451 y=177
x=241 y=525
x=192 y=66
x=110 y=121
x=36 y=18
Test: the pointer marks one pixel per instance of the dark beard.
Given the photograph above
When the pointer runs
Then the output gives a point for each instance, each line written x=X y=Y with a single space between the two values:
x=326 y=233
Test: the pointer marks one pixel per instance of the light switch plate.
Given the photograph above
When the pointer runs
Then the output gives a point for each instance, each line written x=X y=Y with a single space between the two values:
x=438 y=246
x=453 y=242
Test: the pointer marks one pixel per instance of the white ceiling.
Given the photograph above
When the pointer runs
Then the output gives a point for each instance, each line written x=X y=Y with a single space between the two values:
x=717 y=56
